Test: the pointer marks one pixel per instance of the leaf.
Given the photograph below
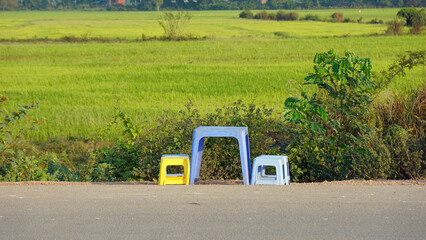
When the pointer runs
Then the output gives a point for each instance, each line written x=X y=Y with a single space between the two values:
x=8 y=137
x=291 y=103
x=316 y=127
x=10 y=151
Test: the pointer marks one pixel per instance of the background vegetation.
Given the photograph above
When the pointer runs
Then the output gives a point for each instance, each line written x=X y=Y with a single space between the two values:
x=145 y=5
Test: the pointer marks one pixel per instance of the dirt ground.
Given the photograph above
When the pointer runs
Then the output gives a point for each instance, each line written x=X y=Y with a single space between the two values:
x=225 y=182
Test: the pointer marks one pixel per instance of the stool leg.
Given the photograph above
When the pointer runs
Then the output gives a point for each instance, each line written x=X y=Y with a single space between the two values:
x=254 y=173
x=162 y=176
x=196 y=154
x=186 y=172
x=243 y=143
x=286 y=171
x=279 y=173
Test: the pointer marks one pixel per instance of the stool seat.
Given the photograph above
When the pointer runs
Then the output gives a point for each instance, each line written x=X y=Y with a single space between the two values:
x=240 y=133
x=174 y=160
x=259 y=176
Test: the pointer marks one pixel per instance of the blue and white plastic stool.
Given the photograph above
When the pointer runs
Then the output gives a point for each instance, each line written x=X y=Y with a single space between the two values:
x=280 y=163
x=200 y=133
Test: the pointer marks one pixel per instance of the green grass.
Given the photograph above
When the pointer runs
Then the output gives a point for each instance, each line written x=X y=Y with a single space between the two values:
x=79 y=85
x=221 y=24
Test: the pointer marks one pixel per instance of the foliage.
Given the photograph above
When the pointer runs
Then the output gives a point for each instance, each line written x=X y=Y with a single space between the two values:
x=283 y=16
x=139 y=160
x=332 y=138
x=311 y=17
x=402 y=123
x=246 y=14
x=394 y=27
x=12 y=129
x=338 y=16
x=325 y=127
x=174 y=24
x=158 y=4
x=261 y=15
x=15 y=164
x=279 y=16
x=375 y=21
x=213 y=5
x=8 y=5
x=412 y=16
x=400 y=66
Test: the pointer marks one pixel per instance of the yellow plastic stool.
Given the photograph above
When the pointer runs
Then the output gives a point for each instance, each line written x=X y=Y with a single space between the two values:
x=174 y=160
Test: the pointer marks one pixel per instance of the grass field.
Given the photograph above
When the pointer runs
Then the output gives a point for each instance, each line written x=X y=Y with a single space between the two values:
x=221 y=24
x=79 y=85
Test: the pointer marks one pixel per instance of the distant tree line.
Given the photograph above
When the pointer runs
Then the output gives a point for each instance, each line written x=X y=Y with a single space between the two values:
x=155 y=5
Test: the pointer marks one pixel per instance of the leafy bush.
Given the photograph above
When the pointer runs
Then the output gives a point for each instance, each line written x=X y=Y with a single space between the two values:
x=282 y=34
x=272 y=16
x=325 y=128
x=246 y=14
x=139 y=158
x=261 y=15
x=311 y=17
x=414 y=18
x=13 y=128
x=15 y=164
x=375 y=21
x=338 y=16
x=283 y=16
x=174 y=24
x=346 y=20
x=394 y=28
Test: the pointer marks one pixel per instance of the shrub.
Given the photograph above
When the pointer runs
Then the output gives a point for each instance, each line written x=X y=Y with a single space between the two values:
x=338 y=16
x=138 y=159
x=272 y=16
x=282 y=34
x=174 y=24
x=325 y=128
x=261 y=15
x=283 y=16
x=293 y=16
x=311 y=17
x=375 y=21
x=417 y=29
x=346 y=20
x=246 y=14
x=412 y=16
x=13 y=127
x=400 y=118
x=394 y=28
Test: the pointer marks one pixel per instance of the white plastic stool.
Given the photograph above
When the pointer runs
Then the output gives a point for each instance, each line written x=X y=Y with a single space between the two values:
x=280 y=163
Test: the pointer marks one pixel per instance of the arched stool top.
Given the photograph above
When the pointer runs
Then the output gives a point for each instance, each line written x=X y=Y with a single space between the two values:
x=219 y=131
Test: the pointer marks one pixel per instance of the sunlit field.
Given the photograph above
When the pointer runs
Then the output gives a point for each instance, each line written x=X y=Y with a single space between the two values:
x=79 y=86
x=220 y=24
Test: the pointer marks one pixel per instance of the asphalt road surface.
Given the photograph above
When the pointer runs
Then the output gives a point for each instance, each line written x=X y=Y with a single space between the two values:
x=213 y=212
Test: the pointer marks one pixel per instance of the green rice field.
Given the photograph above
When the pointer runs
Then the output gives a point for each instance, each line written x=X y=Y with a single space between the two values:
x=220 y=24
x=79 y=86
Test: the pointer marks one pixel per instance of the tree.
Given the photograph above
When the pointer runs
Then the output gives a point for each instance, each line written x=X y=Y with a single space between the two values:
x=412 y=16
x=158 y=4
x=8 y=4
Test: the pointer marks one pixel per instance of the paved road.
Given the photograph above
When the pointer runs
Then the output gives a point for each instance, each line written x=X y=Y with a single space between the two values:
x=213 y=212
